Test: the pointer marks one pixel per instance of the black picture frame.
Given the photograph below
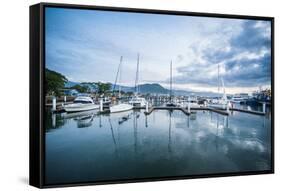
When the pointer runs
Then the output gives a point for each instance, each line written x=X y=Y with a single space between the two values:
x=37 y=65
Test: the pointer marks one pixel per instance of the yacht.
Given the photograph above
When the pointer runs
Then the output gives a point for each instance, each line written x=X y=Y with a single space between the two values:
x=81 y=103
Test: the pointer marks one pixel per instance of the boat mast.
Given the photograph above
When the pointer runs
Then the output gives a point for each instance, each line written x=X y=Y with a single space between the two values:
x=137 y=77
x=117 y=75
x=171 y=81
x=121 y=58
x=218 y=77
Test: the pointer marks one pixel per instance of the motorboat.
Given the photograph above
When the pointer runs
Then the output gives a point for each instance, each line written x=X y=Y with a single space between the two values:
x=81 y=103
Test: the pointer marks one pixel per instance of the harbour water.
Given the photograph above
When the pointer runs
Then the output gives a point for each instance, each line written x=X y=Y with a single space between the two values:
x=83 y=147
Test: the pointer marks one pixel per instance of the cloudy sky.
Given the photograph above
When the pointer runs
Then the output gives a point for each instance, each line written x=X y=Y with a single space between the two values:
x=86 y=45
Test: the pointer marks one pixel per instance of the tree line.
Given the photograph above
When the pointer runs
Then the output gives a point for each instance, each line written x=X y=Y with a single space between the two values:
x=55 y=84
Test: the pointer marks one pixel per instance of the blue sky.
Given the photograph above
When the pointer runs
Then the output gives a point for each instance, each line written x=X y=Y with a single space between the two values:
x=86 y=45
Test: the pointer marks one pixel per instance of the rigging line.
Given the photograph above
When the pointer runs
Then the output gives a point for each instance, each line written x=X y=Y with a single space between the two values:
x=118 y=71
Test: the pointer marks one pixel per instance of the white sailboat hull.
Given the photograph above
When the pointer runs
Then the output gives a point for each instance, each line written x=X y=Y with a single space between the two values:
x=80 y=107
x=120 y=108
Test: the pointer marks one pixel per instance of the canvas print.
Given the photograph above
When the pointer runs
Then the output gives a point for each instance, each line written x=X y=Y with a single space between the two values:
x=132 y=96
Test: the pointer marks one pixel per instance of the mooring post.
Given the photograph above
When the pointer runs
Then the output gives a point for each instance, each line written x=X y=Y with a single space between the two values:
x=146 y=107
x=188 y=107
x=54 y=120
x=263 y=107
x=101 y=105
x=54 y=104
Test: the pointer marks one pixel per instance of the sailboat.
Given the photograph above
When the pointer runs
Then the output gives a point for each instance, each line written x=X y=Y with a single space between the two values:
x=222 y=102
x=171 y=102
x=136 y=100
x=120 y=107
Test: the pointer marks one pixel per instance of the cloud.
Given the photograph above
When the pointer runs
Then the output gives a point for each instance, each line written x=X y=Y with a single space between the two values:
x=244 y=56
x=87 y=45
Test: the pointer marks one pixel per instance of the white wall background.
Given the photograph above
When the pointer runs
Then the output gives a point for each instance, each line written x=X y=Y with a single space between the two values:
x=14 y=68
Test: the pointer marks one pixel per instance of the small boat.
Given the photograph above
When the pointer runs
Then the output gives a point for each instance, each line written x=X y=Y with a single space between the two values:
x=81 y=103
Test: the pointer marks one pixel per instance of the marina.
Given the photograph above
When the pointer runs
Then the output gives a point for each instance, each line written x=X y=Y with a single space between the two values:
x=58 y=108
x=156 y=99
x=87 y=144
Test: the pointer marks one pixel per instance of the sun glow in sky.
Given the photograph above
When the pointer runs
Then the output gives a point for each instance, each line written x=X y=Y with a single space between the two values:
x=86 y=45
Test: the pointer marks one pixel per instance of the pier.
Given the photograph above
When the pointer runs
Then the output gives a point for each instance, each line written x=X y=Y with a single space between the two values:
x=58 y=108
x=248 y=111
x=185 y=111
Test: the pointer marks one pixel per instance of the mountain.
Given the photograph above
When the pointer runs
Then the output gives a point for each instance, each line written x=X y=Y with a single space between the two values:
x=153 y=88
x=70 y=84
x=144 y=88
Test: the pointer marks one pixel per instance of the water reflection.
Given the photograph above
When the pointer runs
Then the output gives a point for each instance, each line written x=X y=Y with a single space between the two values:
x=112 y=134
x=89 y=146
x=170 y=126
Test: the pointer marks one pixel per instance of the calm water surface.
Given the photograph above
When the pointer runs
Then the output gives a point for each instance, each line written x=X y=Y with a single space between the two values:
x=85 y=146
